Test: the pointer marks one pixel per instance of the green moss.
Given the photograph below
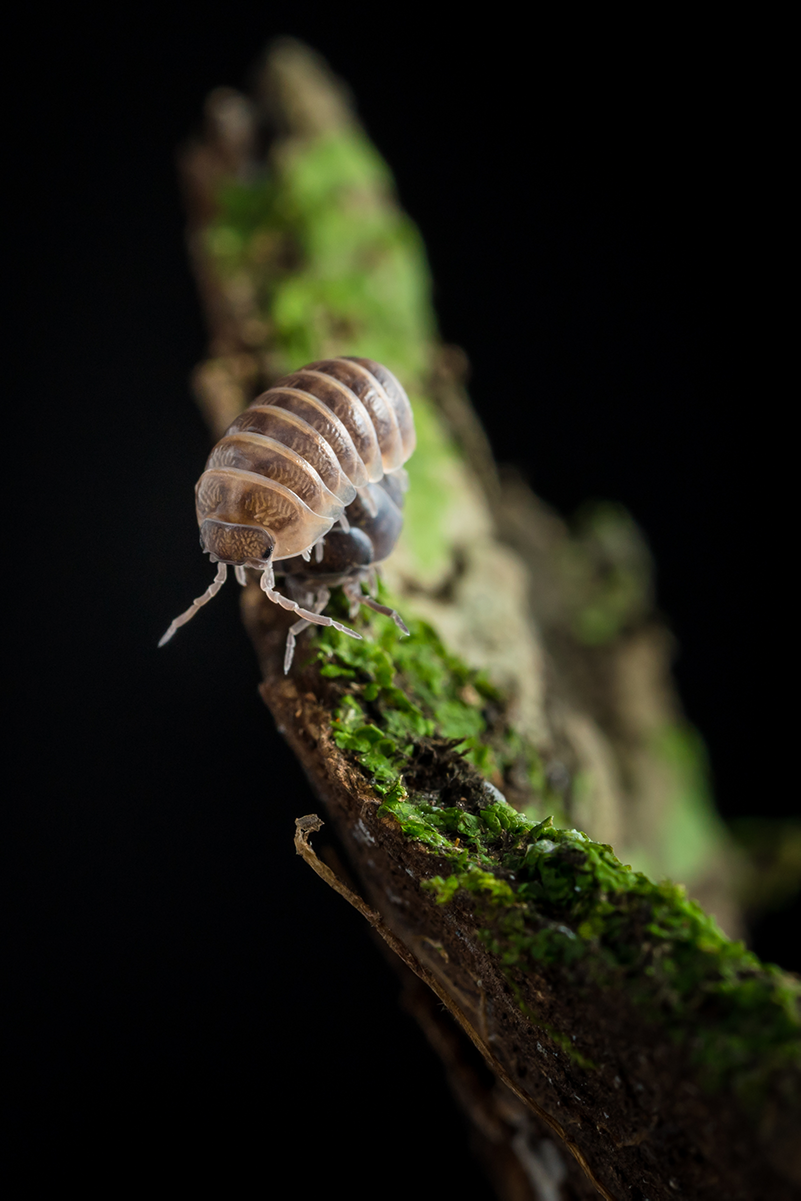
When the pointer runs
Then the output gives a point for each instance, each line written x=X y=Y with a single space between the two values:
x=431 y=495
x=555 y=897
x=685 y=835
x=546 y=895
x=415 y=689
x=692 y=829
x=333 y=261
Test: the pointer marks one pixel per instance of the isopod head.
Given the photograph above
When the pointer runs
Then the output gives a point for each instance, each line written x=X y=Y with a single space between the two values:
x=236 y=544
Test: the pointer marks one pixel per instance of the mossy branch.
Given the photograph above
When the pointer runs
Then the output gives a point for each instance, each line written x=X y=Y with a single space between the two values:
x=532 y=696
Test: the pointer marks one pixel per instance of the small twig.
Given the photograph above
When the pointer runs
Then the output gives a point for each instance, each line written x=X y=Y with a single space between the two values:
x=310 y=824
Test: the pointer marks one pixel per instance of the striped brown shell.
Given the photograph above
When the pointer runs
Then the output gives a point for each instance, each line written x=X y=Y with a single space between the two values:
x=295 y=459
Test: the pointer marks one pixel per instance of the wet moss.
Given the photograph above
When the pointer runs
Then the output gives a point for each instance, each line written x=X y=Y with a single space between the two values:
x=406 y=694
x=540 y=894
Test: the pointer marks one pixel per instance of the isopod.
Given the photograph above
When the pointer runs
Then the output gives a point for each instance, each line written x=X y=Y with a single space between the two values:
x=308 y=484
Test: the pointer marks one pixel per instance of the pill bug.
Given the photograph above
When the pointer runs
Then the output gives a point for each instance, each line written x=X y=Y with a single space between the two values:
x=307 y=484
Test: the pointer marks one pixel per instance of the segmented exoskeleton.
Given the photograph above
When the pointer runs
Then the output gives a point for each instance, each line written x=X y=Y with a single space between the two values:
x=308 y=483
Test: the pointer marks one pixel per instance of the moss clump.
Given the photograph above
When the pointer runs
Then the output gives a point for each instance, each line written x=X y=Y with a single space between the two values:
x=569 y=900
x=541 y=894
x=404 y=692
x=328 y=257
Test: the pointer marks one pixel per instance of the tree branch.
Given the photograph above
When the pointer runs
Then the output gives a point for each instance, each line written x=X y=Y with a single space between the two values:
x=455 y=764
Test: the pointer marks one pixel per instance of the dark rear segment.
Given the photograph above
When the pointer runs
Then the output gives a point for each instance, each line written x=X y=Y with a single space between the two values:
x=371 y=539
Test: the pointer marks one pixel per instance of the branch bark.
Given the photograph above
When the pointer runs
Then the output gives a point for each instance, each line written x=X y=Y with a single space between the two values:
x=634 y=1050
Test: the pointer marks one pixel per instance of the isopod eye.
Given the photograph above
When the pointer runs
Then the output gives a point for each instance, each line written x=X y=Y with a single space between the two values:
x=231 y=542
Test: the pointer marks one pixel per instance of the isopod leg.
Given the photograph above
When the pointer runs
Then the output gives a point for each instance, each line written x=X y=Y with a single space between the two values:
x=212 y=590
x=289 y=652
x=317 y=619
x=393 y=613
x=241 y=578
x=320 y=601
x=354 y=594
x=353 y=591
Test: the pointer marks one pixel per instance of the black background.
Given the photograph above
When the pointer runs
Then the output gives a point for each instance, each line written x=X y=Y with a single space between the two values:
x=603 y=211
